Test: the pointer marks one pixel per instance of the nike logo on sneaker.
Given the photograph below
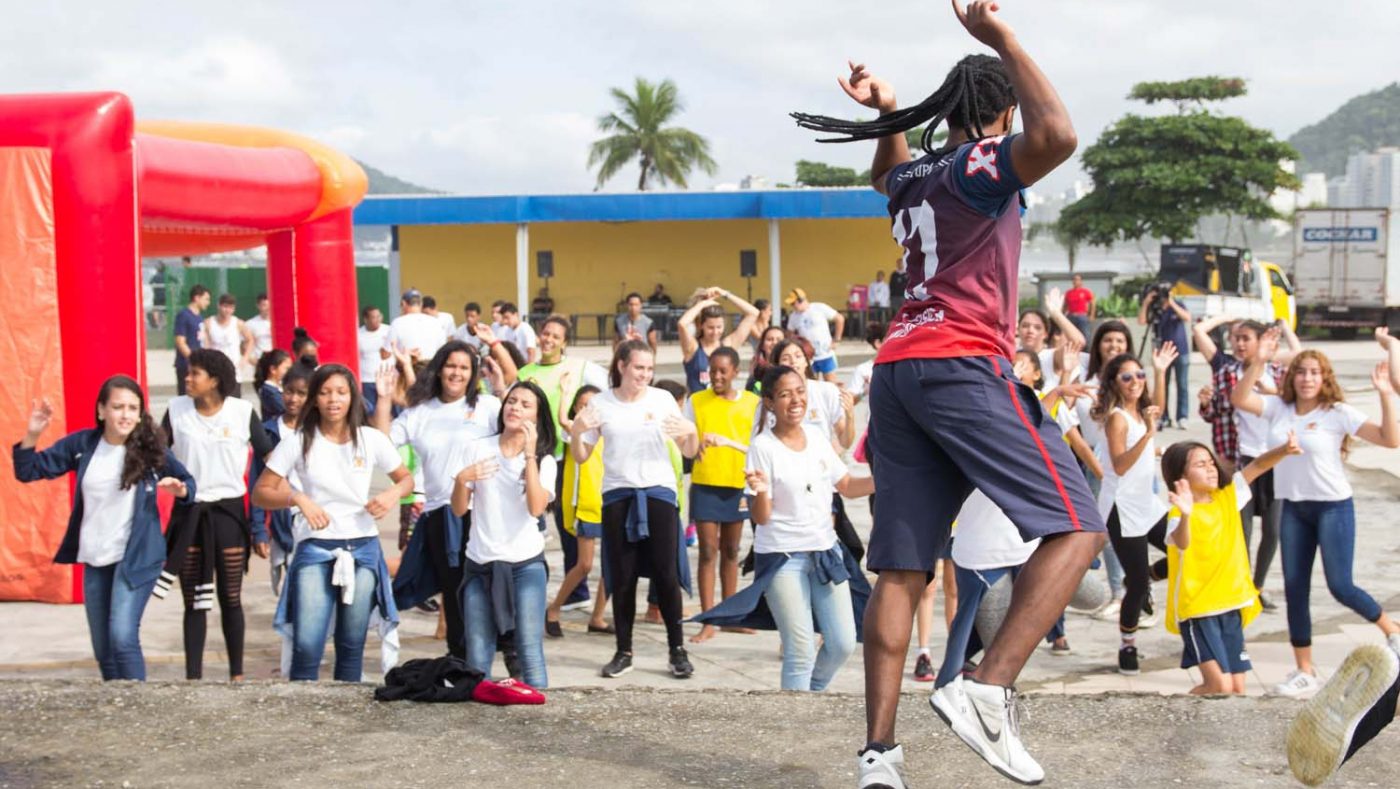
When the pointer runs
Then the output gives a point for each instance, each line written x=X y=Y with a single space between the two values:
x=992 y=736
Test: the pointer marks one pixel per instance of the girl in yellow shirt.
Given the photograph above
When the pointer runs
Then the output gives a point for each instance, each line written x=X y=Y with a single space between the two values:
x=1211 y=595
x=582 y=506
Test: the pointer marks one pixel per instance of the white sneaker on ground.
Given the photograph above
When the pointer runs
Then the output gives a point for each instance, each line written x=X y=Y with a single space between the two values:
x=1296 y=685
x=987 y=718
x=878 y=770
x=577 y=605
x=1355 y=705
x=1109 y=613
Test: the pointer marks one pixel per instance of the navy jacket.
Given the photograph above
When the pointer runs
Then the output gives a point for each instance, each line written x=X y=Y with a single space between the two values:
x=281 y=520
x=145 y=551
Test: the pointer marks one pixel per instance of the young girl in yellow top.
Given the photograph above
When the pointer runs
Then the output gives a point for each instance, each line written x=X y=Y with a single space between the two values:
x=724 y=416
x=1211 y=596
x=582 y=506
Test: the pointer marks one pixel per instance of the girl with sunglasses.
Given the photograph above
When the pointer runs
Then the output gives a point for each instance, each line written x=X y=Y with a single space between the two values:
x=1135 y=516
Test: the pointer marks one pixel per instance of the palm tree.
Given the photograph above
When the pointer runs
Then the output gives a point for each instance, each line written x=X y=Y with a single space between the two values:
x=637 y=131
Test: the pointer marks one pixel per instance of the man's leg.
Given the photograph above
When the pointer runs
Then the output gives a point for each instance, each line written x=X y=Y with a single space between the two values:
x=889 y=618
x=1040 y=595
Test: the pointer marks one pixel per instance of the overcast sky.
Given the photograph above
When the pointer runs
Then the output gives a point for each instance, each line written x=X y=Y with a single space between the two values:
x=502 y=98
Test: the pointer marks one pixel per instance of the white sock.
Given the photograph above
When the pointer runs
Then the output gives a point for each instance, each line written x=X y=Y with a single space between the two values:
x=924 y=651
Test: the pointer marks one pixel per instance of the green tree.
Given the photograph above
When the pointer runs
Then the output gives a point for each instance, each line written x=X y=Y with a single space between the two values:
x=822 y=174
x=1156 y=177
x=637 y=130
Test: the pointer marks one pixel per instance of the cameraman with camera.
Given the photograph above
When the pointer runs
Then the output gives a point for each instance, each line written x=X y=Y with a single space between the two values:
x=1167 y=321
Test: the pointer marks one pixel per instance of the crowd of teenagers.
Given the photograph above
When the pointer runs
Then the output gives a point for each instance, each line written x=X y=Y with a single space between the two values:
x=1044 y=448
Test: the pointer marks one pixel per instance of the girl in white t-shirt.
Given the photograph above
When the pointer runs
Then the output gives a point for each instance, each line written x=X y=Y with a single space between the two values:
x=1135 y=516
x=337 y=572
x=508 y=481
x=446 y=410
x=114 y=526
x=211 y=430
x=1316 y=496
x=829 y=409
x=638 y=424
x=793 y=472
x=1111 y=339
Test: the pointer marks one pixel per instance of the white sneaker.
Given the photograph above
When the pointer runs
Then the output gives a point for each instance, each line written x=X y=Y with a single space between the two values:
x=1109 y=613
x=881 y=770
x=1394 y=641
x=1298 y=684
x=1355 y=705
x=987 y=718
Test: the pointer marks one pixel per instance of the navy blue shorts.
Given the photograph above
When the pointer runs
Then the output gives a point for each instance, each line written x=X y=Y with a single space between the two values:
x=717 y=504
x=941 y=427
x=1219 y=638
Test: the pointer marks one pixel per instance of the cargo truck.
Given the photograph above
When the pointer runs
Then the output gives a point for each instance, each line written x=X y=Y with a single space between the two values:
x=1213 y=281
x=1346 y=269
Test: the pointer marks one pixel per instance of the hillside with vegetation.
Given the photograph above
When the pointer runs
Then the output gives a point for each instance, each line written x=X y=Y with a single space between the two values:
x=1364 y=123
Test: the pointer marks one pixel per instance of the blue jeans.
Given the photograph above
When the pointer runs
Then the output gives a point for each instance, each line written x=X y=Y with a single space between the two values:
x=114 y=620
x=529 y=606
x=1330 y=526
x=316 y=602
x=795 y=599
x=1180 y=369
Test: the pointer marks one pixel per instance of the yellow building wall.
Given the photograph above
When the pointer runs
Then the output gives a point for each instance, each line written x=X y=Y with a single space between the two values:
x=458 y=263
x=825 y=257
x=596 y=264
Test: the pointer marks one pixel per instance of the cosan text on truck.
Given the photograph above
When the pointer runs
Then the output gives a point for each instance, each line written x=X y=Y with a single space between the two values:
x=1346 y=268
x=1214 y=281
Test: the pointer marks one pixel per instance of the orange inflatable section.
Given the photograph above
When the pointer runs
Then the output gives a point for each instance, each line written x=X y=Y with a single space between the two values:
x=343 y=182
x=35 y=516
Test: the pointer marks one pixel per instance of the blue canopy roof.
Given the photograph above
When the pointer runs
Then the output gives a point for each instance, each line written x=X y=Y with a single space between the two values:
x=637 y=207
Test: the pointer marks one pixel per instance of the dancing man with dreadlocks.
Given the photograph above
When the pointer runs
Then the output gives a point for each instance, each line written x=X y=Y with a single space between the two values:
x=947 y=413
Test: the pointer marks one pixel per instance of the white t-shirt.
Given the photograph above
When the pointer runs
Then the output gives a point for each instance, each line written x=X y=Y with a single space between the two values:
x=262 y=333
x=1317 y=474
x=1083 y=413
x=1253 y=431
x=813 y=324
x=214 y=449
x=226 y=339
x=860 y=378
x=522 y=337
x=370 y=344
x=987 y=539
x=448 y=324
x=503 y=530
x=801 y=485
x=462 y=333
x=416 y=330
x=107 y=509
x=879 y=293
x=337 y=477
x=635 y=452
x=438 y=431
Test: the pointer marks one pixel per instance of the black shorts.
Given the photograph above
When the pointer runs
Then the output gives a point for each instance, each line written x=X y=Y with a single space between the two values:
x=939 y=428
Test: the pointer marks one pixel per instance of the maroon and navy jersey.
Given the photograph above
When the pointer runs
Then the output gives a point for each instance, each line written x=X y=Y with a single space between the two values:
x=958 y=218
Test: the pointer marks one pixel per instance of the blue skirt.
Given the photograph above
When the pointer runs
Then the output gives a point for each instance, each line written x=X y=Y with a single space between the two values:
x=718 y=504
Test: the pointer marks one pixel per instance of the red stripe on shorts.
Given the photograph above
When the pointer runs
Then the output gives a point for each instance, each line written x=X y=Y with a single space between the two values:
x=1045 y=455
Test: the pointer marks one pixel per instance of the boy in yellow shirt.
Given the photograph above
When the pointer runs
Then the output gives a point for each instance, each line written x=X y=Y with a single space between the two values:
x=1211 y=596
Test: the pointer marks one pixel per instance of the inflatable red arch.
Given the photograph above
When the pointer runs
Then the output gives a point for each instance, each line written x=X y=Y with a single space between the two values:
x=85 y=192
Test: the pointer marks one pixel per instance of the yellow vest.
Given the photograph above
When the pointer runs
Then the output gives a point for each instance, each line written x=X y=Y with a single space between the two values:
x=583 y=489
x=1212 y=575
x=733 y=419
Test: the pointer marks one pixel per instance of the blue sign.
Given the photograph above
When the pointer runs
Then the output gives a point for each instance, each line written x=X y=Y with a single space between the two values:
x=1334 y=235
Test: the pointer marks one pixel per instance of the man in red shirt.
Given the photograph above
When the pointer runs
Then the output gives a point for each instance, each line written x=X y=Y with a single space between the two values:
x=1079 y=305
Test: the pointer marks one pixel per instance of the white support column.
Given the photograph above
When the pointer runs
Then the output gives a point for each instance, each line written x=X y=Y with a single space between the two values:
x=775 y=267
x=522 y=267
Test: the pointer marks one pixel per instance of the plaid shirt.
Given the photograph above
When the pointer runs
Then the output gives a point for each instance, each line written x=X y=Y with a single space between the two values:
x=1219 y=412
